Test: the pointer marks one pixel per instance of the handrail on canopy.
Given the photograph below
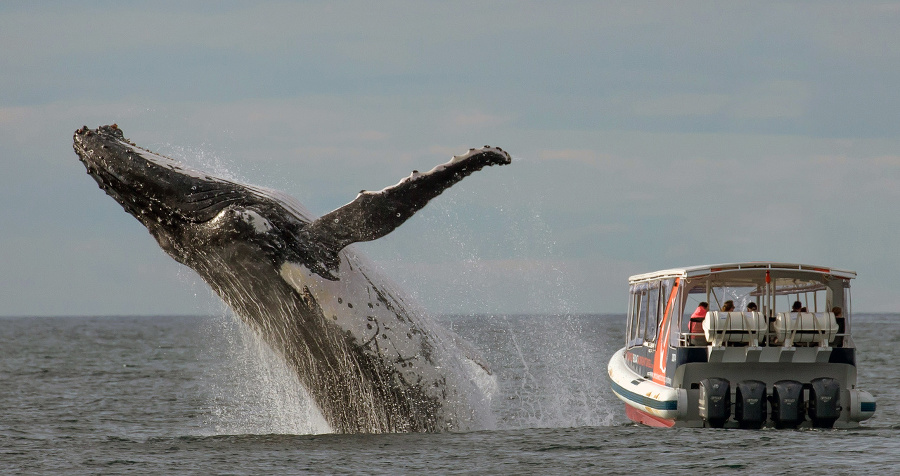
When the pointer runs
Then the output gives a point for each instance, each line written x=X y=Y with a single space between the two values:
x=750 y=268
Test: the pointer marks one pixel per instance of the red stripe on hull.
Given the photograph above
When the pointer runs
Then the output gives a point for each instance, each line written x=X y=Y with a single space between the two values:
x=645 y=418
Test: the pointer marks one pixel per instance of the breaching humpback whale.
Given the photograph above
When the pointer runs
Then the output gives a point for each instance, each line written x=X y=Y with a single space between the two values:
x=369 y=358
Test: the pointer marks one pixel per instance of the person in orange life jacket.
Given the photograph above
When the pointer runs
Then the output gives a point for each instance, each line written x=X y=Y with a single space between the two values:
x=696 y=325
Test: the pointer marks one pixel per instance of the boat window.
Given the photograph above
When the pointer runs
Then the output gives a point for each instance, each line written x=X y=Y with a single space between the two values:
x=637 y=312
x=628 y=318
x=692 y=295
x=632 y=319
x=652 y=313
x=642 y=316
x=740 y=297
x=677 y=310
x=665 y=295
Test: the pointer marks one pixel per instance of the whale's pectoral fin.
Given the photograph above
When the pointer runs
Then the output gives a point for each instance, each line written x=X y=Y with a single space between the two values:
x=375 y=214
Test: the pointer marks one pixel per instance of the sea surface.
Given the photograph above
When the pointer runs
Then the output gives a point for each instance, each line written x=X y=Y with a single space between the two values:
x=201 y=395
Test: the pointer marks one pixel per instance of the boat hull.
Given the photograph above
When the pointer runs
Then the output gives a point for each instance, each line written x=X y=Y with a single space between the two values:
x=654 y=404
x=657 y=403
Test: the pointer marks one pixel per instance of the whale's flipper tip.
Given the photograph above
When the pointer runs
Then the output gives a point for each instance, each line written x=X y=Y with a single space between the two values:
x=488 y=156
x=375 y=214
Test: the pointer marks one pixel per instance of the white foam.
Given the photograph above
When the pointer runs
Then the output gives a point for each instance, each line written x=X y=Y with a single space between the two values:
x=254 y=391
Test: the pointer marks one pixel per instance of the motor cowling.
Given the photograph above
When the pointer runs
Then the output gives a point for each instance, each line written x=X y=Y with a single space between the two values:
x=824 y=405
x=787 y=404
x=750 y=404
x=715 y=401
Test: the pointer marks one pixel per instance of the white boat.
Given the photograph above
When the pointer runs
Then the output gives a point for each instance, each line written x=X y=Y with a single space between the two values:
x=782 y=355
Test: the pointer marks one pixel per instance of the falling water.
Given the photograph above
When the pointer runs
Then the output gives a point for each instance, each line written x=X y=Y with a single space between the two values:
x=550 y=364
x=549 y=369
x=253 y=391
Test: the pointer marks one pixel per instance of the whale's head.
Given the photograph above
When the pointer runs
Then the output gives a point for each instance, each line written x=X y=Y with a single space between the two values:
x=185 y=209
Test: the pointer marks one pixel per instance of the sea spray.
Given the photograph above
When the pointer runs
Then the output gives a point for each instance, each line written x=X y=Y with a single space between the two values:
x=550 y=365
x=252 y=390
x=562 y=373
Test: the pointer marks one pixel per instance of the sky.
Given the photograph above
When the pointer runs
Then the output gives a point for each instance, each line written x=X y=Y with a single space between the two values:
x=645 y=136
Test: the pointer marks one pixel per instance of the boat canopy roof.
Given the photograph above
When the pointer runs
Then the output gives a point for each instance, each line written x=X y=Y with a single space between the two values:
x=748 y=269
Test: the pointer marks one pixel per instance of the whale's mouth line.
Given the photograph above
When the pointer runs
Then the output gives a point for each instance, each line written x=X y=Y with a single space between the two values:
x=147 y=187
x=146 y=208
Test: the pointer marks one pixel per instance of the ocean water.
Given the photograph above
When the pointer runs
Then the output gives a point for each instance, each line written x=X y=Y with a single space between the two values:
x=200 y=395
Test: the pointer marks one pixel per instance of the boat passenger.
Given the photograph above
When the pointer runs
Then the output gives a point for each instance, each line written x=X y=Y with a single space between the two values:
x=797 y=307
x=696 y=326
x=751 y=307
x=728 y=306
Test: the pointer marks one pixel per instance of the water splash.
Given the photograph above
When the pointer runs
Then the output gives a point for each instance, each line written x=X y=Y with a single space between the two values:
x=551 y=365
x=556 y=375
x=253 y=391
x=203 y=157
x=547 y=372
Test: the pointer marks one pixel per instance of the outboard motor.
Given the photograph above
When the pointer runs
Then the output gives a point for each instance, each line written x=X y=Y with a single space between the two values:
x=824 y=402
x=750 y=404
x=787 y=404
x=715 y=401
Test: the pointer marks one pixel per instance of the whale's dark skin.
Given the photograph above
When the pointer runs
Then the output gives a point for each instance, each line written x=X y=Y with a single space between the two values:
x=370 y=360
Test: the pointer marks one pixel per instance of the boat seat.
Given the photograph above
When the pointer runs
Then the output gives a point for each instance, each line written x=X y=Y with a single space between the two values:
x=731 y=328
x=805 y=328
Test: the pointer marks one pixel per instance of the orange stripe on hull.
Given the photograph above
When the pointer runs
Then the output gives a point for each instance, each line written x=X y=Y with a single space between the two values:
x=645 y=418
